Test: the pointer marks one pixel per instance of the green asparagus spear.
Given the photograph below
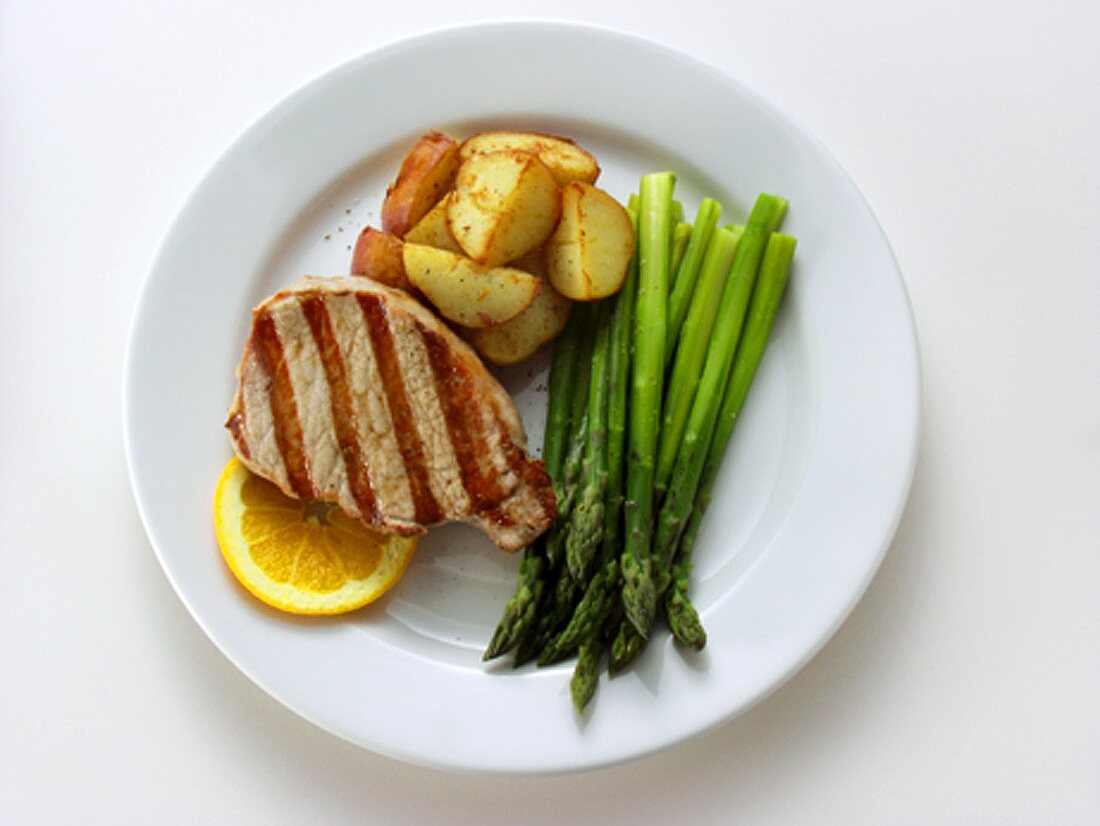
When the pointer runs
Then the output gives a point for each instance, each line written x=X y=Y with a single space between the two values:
x=771 y=284
x=586 y=529
x=603 y=589
x=571 y=471
x=692 y=349
x=702 y=420
x=626 y=647
x=583 y=673
x=675 y=216
x=683 y=619
x=639 y=593
x=622 y=343
x=586 y=673
x=519 y=612
x=527 y=648
x=572 y=464
x=680 y=238
x=560 y=605
x=559 y=594
x=520 y=609
x=683 y=285
x=563 y=372
x=589 y=615
x=594 y=607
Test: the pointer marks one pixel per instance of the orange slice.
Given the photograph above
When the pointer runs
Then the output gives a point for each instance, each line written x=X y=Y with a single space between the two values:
x=302 y=557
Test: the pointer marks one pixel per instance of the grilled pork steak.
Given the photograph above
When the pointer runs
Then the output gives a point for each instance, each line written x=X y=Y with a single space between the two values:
x=352 y=392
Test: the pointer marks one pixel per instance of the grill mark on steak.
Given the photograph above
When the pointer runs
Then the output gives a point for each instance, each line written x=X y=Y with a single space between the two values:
x=378 y=443
x=468 y=438
x=444 y=473
x=284 y=408
x=426 y=507
x=312 y=394
x=340 y=399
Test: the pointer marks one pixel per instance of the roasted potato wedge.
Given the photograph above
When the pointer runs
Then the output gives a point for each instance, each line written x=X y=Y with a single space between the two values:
x=587 y=256
x=518 y=339
x=426 y=175
x=377 y=255
x=431 y=230
x=465 y=292
x=504 y=204
x=565 y=159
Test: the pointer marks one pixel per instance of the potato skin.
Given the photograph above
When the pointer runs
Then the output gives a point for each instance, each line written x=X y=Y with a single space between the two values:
x=378 y=256
x=504 y=205
x=568 y=161
x=425 y=176
x=588 y=254
x=466 y=292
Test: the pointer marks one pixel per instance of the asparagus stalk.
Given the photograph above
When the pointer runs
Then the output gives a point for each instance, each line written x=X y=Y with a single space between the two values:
x=563 y=372
x=571 y=471
x=559 y=595
x=586 y=674
x=586 y=529
x=772 y=283
x=683 y=285
x=588 y=616
x=692 y=348
x=680 y=238
x=519 y=612
x=622 y=341
x=639 y=591
x=705 y=408
x=683 y=619
x=561 y=602
x=572 y=464
x=626 y=647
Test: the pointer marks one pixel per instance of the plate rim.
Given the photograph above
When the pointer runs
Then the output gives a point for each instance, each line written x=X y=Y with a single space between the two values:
x=427 y=37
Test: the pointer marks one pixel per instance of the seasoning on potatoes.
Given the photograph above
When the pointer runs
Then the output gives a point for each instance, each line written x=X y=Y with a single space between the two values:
x=468 y=293
x=504 y=204
x=431 y=230
x=564 y=158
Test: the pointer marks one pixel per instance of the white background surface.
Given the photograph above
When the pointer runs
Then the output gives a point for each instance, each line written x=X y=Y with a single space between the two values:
x=963 y=689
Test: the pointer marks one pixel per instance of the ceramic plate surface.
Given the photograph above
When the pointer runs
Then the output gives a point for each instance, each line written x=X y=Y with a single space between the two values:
x=811 y=490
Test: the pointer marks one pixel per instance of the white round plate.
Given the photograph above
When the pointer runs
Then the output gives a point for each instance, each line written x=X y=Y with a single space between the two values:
x=811 y=490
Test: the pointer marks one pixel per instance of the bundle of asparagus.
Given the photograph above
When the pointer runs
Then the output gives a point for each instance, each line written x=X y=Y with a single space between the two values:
x=645 y=390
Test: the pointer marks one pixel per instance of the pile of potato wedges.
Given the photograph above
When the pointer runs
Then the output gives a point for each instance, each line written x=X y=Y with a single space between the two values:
x=500 y=233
